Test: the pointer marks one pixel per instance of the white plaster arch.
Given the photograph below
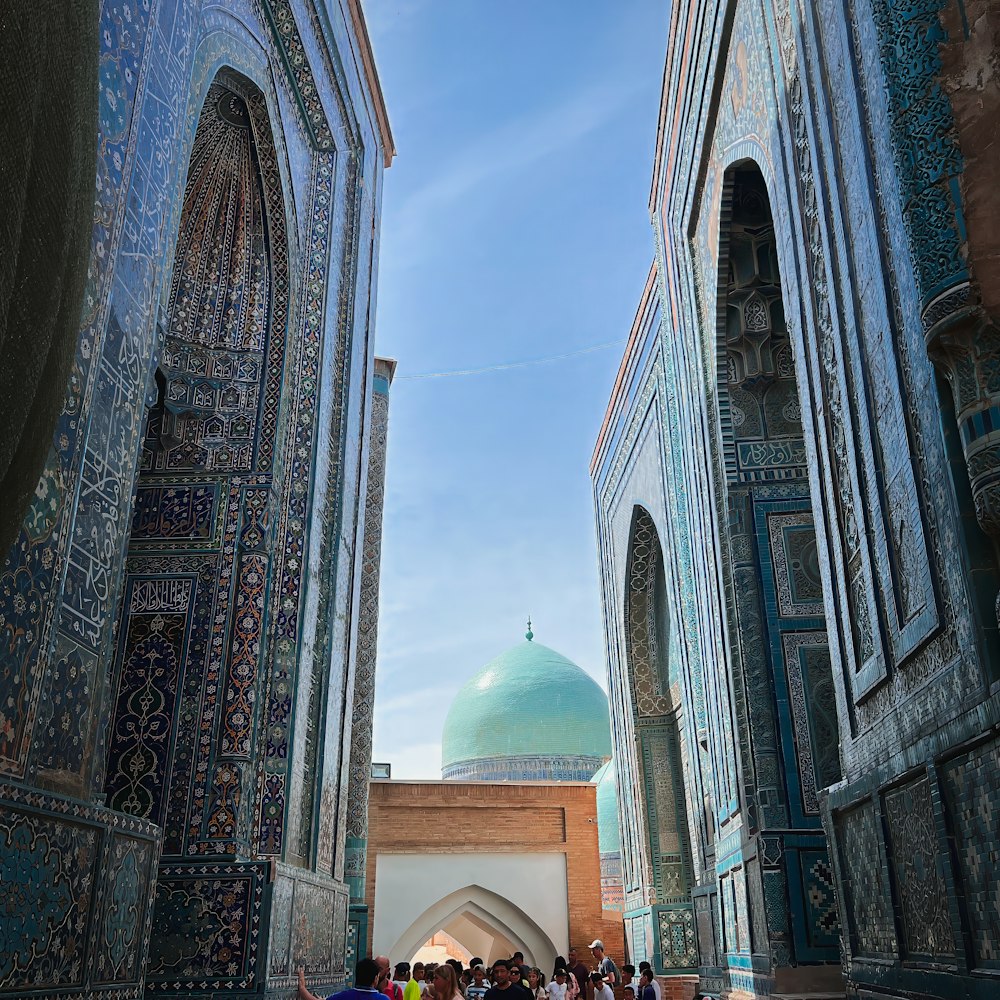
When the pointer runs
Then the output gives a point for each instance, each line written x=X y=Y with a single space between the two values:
x=487 y=910
x=518 y=896
x=480 y=938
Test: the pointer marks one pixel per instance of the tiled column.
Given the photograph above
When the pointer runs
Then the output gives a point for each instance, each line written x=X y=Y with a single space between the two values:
x=364 y=679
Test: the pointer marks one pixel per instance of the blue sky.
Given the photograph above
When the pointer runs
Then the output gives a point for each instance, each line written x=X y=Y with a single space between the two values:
x=514 y=227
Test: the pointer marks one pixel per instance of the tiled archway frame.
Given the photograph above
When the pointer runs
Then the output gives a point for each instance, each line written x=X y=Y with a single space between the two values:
x=62 y=578
x=748 y=128
x=772 y=110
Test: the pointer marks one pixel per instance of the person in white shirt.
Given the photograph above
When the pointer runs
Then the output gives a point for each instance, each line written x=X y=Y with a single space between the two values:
x=558 y=984
x=601 y=989
x=401 y=976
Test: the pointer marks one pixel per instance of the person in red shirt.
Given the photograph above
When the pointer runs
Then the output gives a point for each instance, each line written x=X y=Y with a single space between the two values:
x=384 y=982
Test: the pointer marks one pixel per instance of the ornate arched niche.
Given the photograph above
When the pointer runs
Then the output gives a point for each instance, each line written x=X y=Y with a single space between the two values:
x=182 y=742
x=782 y=678
x=778 y=591
x=661 y=853
x=647 y=619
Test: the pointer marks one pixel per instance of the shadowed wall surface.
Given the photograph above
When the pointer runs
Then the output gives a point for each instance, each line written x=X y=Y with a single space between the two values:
x=179 y=606
x=48 y=86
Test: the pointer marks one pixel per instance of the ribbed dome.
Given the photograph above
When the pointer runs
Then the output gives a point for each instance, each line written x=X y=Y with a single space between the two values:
x=608 y=835
x=530 y=713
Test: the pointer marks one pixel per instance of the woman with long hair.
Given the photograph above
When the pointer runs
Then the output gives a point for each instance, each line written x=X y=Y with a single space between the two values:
x=445 y=983
x=428 y=993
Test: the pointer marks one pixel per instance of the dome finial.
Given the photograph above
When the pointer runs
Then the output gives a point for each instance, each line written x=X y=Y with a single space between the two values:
x=529 y=635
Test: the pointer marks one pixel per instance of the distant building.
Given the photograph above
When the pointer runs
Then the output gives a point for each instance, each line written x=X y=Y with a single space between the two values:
x=513 y=850
x=609 y=837
x=529 y=715
x=497 y=866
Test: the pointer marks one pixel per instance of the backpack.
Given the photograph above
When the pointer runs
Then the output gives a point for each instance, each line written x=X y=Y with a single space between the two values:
x=614 y=969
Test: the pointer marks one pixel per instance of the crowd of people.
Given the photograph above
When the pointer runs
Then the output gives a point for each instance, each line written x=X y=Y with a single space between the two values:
x=506 y=979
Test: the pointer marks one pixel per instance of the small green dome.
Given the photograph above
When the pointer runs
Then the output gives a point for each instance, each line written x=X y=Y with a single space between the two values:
x=608 y=835
x=530 y=703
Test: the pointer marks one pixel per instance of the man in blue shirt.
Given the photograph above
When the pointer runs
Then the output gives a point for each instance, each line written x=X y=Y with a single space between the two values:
x=364 y=988
x=504 y=988
x=646 y=991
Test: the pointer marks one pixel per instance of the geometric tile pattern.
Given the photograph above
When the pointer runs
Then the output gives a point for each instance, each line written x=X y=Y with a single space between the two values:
x=48 y=894
x=971 y=784
x=206 y=928
x=872 y=929
x=847 y=111
x=31 y=568
x=793 y=545
x=822 y=916
x=923 y=898
x=657 y=855
x=677 y=937
x=181 y=373
x=516 y=768
x=704 y=905
x=351 y=954
x=664 y=798
x=648 y=655
x=213 y=417
x=814 y=712
x=362 y=712
x=67 y=932
x=778 y=591
x=612 y=893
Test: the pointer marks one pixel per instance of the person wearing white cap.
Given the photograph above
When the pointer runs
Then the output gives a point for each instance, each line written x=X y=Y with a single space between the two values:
x=607 y=968
x=479 y=986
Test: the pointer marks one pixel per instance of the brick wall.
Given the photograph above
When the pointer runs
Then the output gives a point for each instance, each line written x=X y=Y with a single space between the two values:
x=438 y=817
x=678 y=987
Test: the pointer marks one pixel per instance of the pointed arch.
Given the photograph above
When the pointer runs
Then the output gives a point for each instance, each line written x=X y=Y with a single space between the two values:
x=489 y=910
x=656 y=857
x=647 y=618
x=203 y=523
x=778 y=662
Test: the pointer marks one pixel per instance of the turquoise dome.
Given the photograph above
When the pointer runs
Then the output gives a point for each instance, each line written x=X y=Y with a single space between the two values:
x=529 y=714
x=608 y=835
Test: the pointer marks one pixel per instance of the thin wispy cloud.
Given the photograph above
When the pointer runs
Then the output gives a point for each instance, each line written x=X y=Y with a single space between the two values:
x=415 y=700
x=514 y=225
x=505 y=152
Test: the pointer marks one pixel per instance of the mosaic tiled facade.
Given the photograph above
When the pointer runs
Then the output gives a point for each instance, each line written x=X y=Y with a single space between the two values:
x=179 y=610
x=524 y=769
x=804 y=422
x=363 y=704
